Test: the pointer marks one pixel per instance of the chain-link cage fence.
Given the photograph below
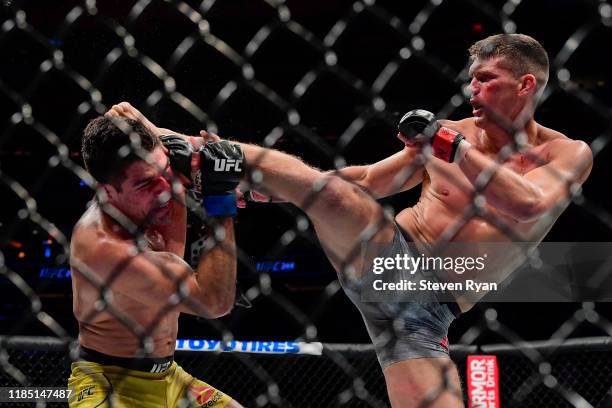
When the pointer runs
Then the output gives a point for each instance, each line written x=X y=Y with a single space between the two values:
x=576 y=362
x=327 y=82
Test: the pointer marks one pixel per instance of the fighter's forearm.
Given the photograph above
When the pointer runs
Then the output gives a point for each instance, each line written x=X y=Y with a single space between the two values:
x=505 y=190
x=216 y=271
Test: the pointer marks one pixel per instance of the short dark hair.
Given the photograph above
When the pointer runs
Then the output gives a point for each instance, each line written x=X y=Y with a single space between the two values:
x=521 y=54
x=102 y=145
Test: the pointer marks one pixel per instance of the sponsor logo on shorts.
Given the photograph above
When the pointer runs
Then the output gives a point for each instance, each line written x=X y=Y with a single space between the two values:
x=214 y=399
x=205 y=395
x=444 y=343
x=86 y=392
x=161 y=367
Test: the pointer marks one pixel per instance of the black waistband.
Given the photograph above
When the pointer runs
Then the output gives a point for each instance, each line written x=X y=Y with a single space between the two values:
x=150 y=365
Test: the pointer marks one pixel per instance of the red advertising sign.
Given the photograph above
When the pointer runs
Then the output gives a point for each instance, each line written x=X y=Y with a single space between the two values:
x=483 y=382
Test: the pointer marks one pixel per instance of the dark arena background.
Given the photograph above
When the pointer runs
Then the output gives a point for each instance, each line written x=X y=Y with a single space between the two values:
x=328 y=81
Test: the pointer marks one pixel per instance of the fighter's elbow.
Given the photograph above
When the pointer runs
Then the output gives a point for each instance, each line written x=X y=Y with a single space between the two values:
x=221 y=306
x=227 y=305
x=529 y=209
x=218 y=310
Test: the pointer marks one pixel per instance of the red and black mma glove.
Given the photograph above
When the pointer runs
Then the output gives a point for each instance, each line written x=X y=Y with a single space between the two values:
x=447 y=144
x=215 y=171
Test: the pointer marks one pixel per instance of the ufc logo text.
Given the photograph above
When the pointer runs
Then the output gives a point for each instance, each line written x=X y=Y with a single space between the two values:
x=227 y=164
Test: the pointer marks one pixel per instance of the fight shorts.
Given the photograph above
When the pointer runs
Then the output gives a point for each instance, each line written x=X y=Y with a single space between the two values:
x=407 y=329
x=97 y=385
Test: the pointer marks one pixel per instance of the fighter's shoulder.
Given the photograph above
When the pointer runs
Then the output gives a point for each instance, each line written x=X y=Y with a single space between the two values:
x=87 y=226
x=464 y=126
x=89 y=238
x=561 y=145
x=88 y=241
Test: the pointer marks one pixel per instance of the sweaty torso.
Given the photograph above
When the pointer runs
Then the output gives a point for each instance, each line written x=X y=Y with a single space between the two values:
x=446 y=196
x=444 y=211
x=116 y=327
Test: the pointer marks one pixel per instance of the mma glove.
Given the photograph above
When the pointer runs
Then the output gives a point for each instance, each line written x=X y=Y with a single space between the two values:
x=447 y=144
x=215 y=171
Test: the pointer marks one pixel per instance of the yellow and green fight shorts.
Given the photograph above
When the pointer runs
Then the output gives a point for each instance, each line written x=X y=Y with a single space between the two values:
x=101 y=386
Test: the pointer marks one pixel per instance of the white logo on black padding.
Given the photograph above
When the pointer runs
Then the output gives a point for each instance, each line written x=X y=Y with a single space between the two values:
x=161 y=367
x=227 y=164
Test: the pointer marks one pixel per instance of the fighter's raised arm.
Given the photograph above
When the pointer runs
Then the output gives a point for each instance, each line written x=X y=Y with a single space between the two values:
x=127 y=111
x=525 y=184
x=151 y=276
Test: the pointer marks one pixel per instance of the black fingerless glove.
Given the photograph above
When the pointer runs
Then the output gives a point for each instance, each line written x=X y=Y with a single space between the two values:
x=214 y=171
x=222 y=167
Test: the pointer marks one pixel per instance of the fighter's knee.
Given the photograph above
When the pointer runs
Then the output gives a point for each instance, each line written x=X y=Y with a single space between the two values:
x=336 y=194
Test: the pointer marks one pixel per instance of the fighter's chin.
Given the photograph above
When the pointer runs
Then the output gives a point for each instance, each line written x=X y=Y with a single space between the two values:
x=481 y=121
x=161 y=215
x=157 y=222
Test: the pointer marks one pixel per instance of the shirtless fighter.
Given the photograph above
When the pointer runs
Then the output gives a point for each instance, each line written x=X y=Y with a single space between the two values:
x=129 y=280
x=526 y=194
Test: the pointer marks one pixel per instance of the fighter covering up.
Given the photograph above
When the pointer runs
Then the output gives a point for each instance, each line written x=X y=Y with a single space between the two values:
x=525 y=194
x=129 y=280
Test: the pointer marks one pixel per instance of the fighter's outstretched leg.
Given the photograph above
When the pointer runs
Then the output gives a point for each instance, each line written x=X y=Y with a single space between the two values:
x=343 y=215
x=418 y=370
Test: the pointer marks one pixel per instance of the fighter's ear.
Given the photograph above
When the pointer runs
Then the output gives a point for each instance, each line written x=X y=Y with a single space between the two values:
x=528 y=85
x=110 y=191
